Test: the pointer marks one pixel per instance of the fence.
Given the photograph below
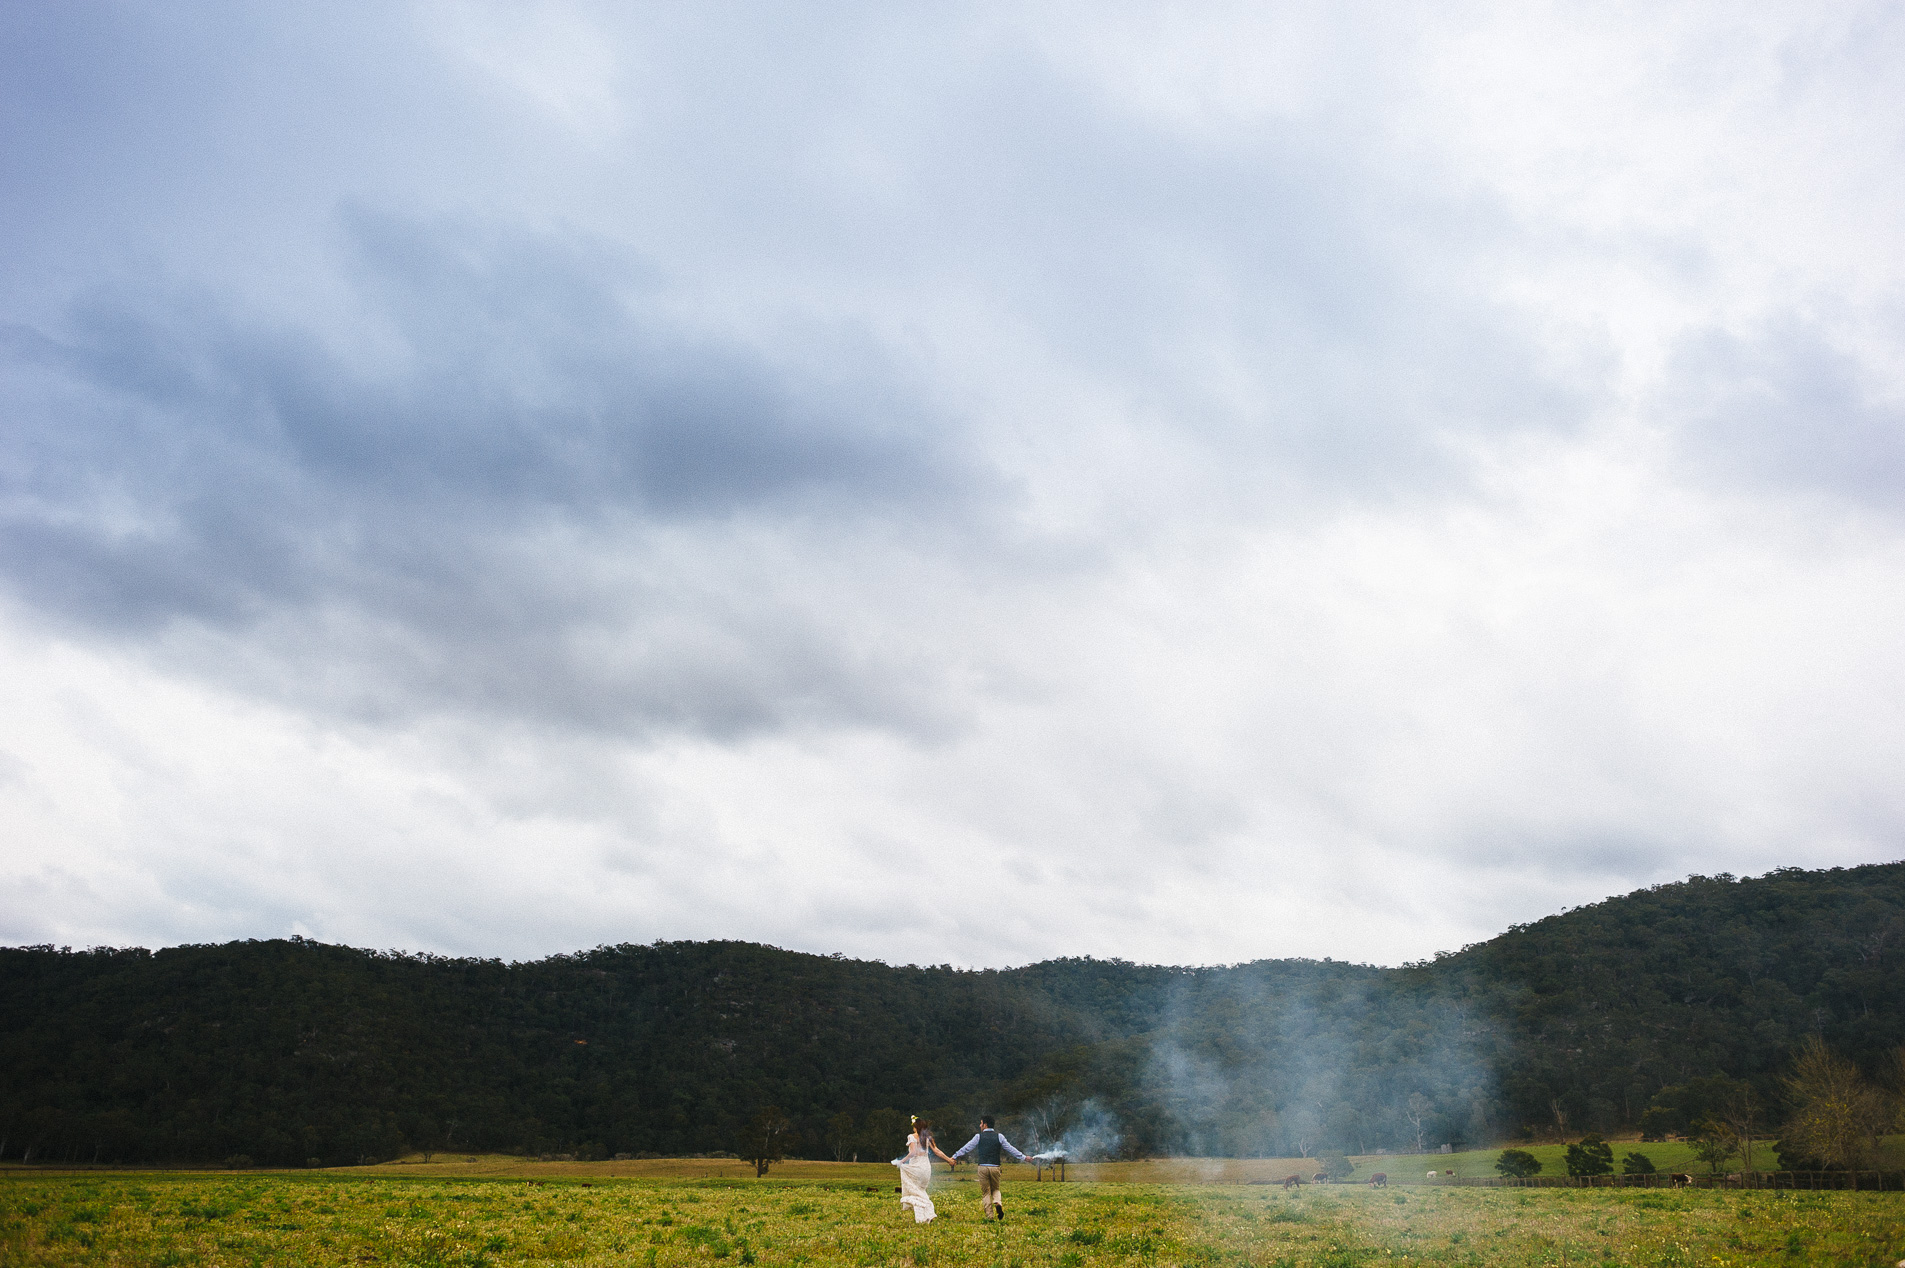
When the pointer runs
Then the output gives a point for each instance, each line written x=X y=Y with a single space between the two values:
x=1876 y=1181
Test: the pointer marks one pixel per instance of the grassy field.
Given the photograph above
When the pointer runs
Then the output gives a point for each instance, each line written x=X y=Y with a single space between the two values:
x=824 y=1215
x=1400 y=1168
x=1667 y=1155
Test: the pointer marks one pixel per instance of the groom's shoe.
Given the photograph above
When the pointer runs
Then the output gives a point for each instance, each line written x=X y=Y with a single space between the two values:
x=1001 y=1212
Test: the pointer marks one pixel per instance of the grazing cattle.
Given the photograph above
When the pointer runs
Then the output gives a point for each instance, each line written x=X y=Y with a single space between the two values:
x=1680 y=1179
x=1290 y=1182
x=1321 y=1177
x=1379 y=1181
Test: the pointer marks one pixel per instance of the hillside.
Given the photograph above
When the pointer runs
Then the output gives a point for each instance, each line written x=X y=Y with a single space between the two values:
x=291 y=1050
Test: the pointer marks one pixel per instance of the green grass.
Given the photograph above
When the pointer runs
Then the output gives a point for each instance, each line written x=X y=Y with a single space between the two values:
x=267 y=1220
x=1666 y=1155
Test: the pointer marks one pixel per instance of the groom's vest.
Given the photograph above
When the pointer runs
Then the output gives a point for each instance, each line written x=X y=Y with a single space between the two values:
x=987 y=1152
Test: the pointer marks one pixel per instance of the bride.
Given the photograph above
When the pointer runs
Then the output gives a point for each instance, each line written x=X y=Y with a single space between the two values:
x=916 y=1171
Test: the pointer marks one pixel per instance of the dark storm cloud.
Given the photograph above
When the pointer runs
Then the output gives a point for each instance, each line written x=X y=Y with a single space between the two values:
x=174 y=462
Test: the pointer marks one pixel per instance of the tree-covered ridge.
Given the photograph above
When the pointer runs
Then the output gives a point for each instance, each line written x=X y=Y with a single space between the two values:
x=289 y=1050
x=1600 y=1007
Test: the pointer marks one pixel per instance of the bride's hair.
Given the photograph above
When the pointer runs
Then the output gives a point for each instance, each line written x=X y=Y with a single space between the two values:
x=924 y=1130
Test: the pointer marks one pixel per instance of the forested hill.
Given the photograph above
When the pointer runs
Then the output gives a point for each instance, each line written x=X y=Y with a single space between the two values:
x=290 y=1050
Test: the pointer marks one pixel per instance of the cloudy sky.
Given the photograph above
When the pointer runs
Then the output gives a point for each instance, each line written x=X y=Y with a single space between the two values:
x=942 y=484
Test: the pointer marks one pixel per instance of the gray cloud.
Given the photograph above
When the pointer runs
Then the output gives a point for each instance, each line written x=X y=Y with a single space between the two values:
x=1206 y=471
x=230 y=475
x=1787 y=409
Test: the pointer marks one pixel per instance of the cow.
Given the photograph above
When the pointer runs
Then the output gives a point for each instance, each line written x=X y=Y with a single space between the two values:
x=1321 y=1177
x=1680 y=1179
x=1379 y=1181
x=1290 y=1182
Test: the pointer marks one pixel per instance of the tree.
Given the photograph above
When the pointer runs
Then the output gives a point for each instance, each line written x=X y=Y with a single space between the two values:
x=1590 y=1156
x=1344 y=1125
x=1518 y=1163
x=1419 y=1109
x=287 y=1050
x=1897 y=1065
x=840 y=1135
x=1836 y=1115
x=1304 y=1130
x=764 y=1139
x=1657 y=1122
x=1676 y=1109
x=1712 y=1144
x=1738 y=1117
x=1336 y=1166
x=1637 y=1164
x=882 y=1134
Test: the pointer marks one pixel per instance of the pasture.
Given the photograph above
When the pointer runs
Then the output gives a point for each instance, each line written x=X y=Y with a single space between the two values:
x=825 y=1215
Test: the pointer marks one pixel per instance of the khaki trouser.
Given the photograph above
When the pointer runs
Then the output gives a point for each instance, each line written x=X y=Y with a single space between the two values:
x=989 y=1189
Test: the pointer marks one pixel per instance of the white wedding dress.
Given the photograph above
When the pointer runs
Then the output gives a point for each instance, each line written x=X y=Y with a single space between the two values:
x=916 y=1175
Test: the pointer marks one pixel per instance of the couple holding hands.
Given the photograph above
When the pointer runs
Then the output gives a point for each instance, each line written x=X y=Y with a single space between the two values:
x=988 y=1149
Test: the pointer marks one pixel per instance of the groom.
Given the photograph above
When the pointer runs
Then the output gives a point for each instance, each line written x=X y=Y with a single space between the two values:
x=987 y=1149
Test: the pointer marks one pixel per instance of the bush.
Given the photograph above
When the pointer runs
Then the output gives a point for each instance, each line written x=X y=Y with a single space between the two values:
x=314 y=1162
x=1637 y=1164
x=239 y=1162
x=1336 y=1166
x=1789 y=1157
x=1518 y=1163
x=1590 y=1156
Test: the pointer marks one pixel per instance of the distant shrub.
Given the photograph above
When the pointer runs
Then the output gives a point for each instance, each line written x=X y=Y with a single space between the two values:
x=1518 y=1163
x=239 y=1162
x=1637 y=1164
x=1336 y=1166
x=314 y=1162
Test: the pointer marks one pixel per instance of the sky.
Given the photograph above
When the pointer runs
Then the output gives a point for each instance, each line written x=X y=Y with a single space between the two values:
x=942 y=484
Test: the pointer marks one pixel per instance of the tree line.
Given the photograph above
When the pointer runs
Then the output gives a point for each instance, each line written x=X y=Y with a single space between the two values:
x=1833 y=1118
x=1617 y=1015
